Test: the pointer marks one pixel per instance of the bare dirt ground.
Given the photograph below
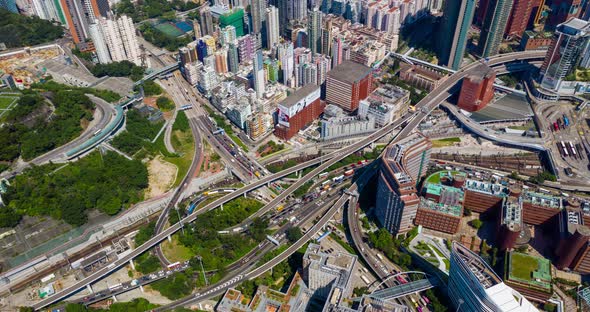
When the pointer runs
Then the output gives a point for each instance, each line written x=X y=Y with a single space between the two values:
x=161 y=176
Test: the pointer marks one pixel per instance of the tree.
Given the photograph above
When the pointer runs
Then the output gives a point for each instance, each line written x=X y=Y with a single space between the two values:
x=294 y=234
x=76 y=307
x=467 y=212
x=18 y=30
x=165 y=104
x=174 y=287
x=476 y=224
x=25 y=309
x=118 y=69
x=151 y=88
x=145 y=233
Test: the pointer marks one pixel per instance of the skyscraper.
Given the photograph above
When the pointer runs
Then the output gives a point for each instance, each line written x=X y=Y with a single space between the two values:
x=452 y=37
x=402 y=165
x=493 y=28
x=233 y=62
x=119 y=38
x=561 y=11
x=234 y=18
x=474 y=286
x=206 y=20
x=519 y=17
x=257 y=11
x=228 y=35
x=9 y=5
x=47 y=10
x=296 y=9
x=258 y=73
x=569 y=49
x=314 y=31
x=272 y=27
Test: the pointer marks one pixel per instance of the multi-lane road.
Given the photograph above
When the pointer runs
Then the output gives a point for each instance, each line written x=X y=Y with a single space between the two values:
x=409 y=123
x=104 y=113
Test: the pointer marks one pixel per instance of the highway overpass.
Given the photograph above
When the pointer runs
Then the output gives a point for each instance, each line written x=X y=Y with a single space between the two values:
x=409 y=123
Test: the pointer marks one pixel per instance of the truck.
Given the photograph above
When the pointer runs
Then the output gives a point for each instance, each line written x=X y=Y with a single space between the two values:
x=380 y=257
x=338 y=179
x=349 y=172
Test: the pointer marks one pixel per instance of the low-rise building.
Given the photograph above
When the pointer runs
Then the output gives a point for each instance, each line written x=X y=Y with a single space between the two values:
x=441 y=208
x=385 y=104
x=349 y=126
x=297 y=111
x=420 y=76
x=540 y=208
x=529 y=275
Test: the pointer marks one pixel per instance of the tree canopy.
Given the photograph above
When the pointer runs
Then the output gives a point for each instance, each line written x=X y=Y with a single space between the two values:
x=118 y=69
x=18 y=30
x=107 y=182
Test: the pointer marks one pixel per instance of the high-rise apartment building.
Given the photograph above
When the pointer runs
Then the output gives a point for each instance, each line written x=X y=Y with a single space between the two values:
x=324 y=272
x=234 y=18
x=49 y=10
x=206 y=20
x=257 y=11
x=119 y=37
x=228 y=35
x=474 y=286
x=272 y=27
x=493 y=27
x=233 y=61
x=347 y=84
x=402 y=165
x=477 y=89
x=452 y=37
x=519 y=17
x=314 y=31
x=258 y=73
x=568 y=50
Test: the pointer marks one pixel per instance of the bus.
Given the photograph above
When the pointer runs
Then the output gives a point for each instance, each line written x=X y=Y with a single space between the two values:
x=97 y=132
x=322 y=175
x=380 y=257
x=185 y=107
x=366 y=280
x=338 y=179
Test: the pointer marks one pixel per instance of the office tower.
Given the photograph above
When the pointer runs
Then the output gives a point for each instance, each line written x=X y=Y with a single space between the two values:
x=338 y=7
x=474 y=286
x=493 y=27
x=561 y=11
x=258 y=73
x=480 y=12
x=403 y=164
x=519 y=18
x=201 y=50
x=569 y=49
x=353 y=11
x=435 y=6
x=477 y=89
x=102 y=50
x=234 y=18
x=206 y=20
x=9 y=5
x=283 y=6
x=314 y=31
x=452 y=37
x=257 y=11
x=325 y=6
x=272 y=27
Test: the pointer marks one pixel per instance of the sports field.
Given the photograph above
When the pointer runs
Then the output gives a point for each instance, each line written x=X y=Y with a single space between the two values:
x=5 y=101
x=169 y=29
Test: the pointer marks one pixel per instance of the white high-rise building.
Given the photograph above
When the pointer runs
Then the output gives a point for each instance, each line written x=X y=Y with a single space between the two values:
x=272 y=27
x=119 y=37
x=102 y=51
x=258 y=73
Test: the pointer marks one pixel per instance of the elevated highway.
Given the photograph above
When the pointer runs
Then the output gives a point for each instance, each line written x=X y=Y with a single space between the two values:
x=409 y=122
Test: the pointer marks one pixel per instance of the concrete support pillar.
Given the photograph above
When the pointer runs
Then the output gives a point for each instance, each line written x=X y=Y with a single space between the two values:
x=89 y=289
x=132 y=264
x=221 y=207
x=141 y=288
x=245 y=195
x=169 y=238
x=115 y=298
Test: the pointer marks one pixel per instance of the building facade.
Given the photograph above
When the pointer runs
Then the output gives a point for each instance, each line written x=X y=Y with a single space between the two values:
x=297 y=111
x=347 y=84
x=493 y=27
x=452 y=38
x=477 y=90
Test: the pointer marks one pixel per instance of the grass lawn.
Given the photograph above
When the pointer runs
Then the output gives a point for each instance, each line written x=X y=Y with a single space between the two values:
x=5 y=101
x=176 y=252
x=435 y=177
x=523 y=266
x=185 y=147
x=238 y=141
x=445 y=142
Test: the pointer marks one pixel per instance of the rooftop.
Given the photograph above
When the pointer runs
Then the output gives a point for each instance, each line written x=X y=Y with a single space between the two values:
x=452 y=210
x=529 y=270
x=543 y=200
x=478 y=267
x=485 y=187
x=350 y=72
x=512 y=212
x=299 y=95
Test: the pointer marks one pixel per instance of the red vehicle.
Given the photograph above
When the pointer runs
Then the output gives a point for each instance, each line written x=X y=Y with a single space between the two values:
x=348 y=173
x=555 y=126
